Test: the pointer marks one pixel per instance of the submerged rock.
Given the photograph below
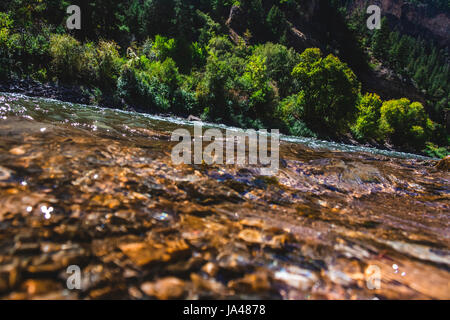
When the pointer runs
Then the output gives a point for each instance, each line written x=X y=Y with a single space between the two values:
x=143 y=253
x=252 y=283
x=444 y=164
x=166 y=288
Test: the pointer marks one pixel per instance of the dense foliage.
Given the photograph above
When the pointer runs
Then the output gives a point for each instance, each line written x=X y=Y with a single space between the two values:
x=176 y=56
x=417 y=59
x=367 y=125
x=405 y=122
x=328 y=91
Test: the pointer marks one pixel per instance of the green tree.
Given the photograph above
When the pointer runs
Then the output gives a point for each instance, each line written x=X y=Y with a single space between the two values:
x=380 y=43
x=154 y=86
x=109 y=65
x=212 y=91
x=405 y=123
x=276 y=22
x=67 y=58
x=255 y=21
x=367 y=124
x=328 y=92
x=255 y=84
x=280 y=61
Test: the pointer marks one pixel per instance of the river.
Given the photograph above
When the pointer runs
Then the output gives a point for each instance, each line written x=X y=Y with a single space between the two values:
x=96 y=188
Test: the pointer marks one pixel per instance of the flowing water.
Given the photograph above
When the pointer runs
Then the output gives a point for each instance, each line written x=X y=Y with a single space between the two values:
x=96 y=188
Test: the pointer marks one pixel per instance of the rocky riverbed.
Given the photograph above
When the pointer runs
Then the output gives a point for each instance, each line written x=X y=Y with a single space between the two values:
x=96 y=188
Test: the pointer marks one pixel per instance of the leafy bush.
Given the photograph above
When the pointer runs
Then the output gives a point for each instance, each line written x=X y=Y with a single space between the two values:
x=184 y=53
x=154 y=86
x=236 y=88
x=405 y=123
x=213 y=89
x=279 y=62
x=23 y=52
x=109 y=64
x=434 y=151
x=67 y=57
x=73 y=62
x=367 y=124
x=209 y=30
x=5 y=25
x=254 y=84
x=164 y=47
x=219 y=46
x=88 y=64
x=199 y=55
x=328 y=92
x=288 y=110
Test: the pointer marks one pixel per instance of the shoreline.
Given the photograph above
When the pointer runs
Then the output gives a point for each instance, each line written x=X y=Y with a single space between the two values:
x=33 y=88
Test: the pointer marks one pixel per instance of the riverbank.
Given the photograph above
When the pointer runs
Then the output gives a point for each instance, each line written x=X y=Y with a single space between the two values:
x=32 y=88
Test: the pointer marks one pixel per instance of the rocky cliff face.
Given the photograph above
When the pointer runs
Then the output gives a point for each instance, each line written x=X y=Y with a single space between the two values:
x=412 y=19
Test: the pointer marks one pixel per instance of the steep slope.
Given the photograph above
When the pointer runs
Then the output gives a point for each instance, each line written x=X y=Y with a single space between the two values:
x=317 y=24
x=421 y=19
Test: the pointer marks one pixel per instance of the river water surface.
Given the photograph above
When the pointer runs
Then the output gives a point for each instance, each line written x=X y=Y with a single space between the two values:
x=96 y=188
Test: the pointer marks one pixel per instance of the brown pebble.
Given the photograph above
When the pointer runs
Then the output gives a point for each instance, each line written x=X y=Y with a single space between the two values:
x=255 y=282
x=164 y=289
x=18 y=151
x=251 y=236
x=210 y=269
x=34 y=287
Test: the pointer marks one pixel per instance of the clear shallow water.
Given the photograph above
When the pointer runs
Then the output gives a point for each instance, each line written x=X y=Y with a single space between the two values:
x=97 y=188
